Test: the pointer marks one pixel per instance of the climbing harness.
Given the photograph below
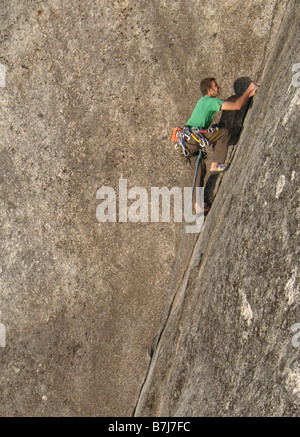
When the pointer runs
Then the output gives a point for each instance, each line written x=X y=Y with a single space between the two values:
x=180 y=135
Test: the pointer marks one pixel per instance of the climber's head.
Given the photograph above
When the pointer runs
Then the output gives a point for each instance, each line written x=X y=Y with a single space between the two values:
x=209 y=87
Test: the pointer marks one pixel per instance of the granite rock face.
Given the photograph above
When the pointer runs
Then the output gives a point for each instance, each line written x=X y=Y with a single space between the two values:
x=230 y=346
x=89 y=92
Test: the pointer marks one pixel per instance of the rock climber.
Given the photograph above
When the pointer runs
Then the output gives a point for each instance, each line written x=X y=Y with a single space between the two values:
x=202 y=117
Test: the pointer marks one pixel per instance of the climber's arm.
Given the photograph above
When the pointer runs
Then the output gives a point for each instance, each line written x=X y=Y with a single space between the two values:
x=236 y=103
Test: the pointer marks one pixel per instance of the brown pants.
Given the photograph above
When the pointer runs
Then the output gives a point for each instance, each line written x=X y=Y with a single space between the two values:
x=220 y=142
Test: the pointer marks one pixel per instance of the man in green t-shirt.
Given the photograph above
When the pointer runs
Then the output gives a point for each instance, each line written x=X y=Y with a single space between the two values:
x=202 y=117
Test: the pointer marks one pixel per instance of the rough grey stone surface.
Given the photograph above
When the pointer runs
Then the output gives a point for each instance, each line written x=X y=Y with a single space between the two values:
x=89 y=94
x=228 y=348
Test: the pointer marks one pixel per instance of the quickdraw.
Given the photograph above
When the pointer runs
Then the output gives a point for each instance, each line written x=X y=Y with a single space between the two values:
x=178 y=137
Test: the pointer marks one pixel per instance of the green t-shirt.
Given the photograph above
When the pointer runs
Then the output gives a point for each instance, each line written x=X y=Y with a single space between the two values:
x=204 y=112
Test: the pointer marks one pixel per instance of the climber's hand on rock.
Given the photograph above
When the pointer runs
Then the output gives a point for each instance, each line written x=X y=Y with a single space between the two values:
x=252 y=89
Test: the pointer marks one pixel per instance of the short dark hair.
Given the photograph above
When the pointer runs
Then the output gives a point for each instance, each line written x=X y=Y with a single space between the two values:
x=205 y=84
